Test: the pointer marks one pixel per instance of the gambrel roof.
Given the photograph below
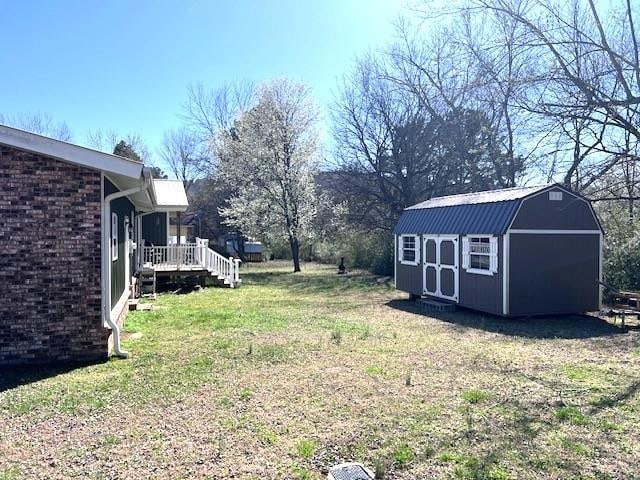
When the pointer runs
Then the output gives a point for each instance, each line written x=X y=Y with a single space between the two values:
x=489 y=212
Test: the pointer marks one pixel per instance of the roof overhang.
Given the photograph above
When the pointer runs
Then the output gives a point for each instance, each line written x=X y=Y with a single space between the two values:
x=169 y=196
x=118 y=167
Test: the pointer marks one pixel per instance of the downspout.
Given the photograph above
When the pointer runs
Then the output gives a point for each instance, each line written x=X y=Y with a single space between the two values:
x=106 y=259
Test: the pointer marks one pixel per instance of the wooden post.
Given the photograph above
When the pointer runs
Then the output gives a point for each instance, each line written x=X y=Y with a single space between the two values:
x=236 y=270
x=205 y=247
x=178 y=226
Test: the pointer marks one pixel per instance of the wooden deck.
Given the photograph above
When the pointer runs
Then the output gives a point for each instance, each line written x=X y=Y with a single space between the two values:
x=191 y=259
x=168 y=267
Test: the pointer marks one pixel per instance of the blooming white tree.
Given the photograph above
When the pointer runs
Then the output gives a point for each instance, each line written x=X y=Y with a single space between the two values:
x=270 y=157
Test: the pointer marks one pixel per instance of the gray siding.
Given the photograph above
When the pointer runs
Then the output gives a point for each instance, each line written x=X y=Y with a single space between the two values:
x=540 y=213
x=409 y=277
x=479 y=292
x=482 y=292
x=154 y=228
x=553 y=274
x=122 y=207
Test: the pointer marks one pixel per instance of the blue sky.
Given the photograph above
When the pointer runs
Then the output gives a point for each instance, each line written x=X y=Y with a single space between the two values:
x=125 y=65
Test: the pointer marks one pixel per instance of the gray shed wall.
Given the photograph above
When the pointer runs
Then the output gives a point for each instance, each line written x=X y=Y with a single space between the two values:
x=482 y=292
x=479 y=292
x=553 y=273
x=408 y=277
x=540 y=213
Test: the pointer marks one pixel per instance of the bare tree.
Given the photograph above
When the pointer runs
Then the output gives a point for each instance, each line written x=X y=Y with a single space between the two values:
x=40 y=123
x=410 y=126
x=208 y=111
x=106 y=141
x=588 y=78
x=183 y=152
x=489 y=44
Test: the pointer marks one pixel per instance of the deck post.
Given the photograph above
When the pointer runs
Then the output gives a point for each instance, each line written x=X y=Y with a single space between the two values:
x=236 y=270
x=198 y=251
x=204 y=247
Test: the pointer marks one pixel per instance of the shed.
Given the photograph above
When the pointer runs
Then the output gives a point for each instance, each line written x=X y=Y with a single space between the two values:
x=512 y=252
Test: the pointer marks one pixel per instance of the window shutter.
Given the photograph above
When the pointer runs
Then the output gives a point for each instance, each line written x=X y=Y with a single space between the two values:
x=465 y=252
x=400 y=248
x=417 y=246
x=493 y=242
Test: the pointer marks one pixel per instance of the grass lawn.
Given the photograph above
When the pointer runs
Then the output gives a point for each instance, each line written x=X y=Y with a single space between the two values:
x=292 y=373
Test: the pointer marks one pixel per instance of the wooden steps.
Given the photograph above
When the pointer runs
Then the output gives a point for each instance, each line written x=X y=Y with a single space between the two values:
x=147 y=282
x=431 y=305
x=134 y=304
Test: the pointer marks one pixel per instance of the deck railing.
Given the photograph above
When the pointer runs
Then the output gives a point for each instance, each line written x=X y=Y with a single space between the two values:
x=192 y=256
x=171 y=255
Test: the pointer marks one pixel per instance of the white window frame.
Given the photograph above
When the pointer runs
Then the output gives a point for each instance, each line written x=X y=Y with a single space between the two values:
x=555 y=195
x=114 y=237
x=416 y=249
x=493 y=255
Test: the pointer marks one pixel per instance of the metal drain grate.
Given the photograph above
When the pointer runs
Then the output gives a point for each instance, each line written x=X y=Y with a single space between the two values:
x=349 y=471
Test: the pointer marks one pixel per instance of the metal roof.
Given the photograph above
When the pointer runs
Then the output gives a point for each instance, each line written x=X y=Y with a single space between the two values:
x=482 y=212
x=490 y=196
x=169 y=195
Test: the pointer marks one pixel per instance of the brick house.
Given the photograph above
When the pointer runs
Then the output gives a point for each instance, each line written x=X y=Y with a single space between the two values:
x=73 y=230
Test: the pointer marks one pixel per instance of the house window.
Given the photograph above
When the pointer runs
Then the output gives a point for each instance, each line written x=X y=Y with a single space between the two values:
x=114 y=237
x=555 y=196
x=480 y=254
x=408 y=250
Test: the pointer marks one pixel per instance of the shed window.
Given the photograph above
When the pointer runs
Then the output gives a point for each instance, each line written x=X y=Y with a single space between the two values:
x=114 y=237
x=480 y=254
x=555 y=196
x=409 y=253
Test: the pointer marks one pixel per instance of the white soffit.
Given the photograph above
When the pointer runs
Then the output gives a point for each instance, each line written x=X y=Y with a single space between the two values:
x=68 y=152
x=169 y=195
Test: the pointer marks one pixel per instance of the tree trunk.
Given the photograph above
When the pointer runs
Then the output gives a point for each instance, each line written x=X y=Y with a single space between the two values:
x=295 y=252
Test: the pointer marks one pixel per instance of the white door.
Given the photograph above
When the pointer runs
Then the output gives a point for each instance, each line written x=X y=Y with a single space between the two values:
x=440 y=266
x=430 y=265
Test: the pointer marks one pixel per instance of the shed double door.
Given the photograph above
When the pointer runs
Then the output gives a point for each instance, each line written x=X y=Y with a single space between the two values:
x=440 y=266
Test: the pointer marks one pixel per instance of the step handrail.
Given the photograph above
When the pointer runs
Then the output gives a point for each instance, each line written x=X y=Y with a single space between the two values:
x=217 y=264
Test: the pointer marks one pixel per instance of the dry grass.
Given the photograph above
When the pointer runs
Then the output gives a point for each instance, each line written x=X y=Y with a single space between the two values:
x=293 y=373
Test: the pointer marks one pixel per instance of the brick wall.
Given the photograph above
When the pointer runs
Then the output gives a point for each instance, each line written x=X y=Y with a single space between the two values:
x=49 y=261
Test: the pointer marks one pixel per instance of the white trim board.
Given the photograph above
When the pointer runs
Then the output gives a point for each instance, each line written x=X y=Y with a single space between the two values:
x=395 y=261
x=600 y=287
x=505 y=273
x=103 y=254
x=554 y=232
x=68 y=152
x=119 y=306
